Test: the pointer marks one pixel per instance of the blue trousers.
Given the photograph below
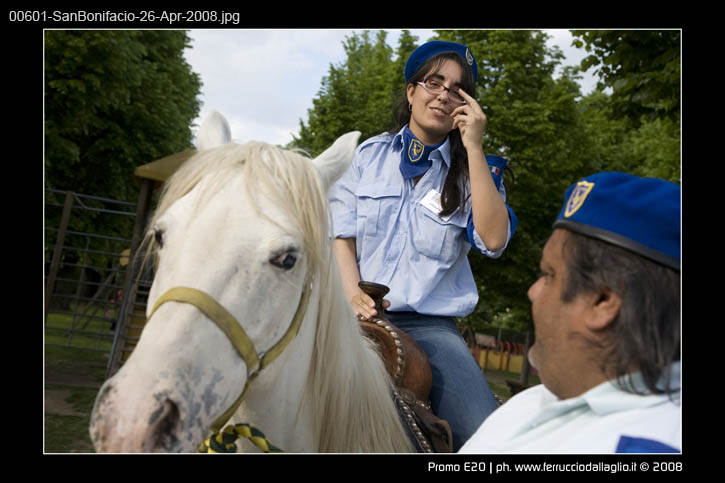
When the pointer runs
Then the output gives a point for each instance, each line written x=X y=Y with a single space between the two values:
x=460 y=393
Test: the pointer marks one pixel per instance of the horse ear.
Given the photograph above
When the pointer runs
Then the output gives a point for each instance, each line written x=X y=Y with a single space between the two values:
x=335 y=159
x=214 y=132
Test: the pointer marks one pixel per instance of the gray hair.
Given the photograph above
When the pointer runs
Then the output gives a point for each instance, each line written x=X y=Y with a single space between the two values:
x=645 y=335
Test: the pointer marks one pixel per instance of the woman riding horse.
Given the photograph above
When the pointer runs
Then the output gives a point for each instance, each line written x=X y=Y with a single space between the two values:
x=408 y=210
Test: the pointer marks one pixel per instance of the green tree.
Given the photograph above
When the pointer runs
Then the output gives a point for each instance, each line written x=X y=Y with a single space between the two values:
x=406 y=46
x=642 y=115
x=114 y=99
x=641 y=66
x=357 y=94
x=534 y=121
x=655 y=145
x=651 y=149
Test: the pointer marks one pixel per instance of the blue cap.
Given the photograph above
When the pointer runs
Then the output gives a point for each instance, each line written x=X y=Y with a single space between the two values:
x=429 y=49
x=641 y=215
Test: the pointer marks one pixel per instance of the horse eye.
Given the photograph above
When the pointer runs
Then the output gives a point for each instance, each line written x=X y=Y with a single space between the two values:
x=285 y=261
x=159 y=237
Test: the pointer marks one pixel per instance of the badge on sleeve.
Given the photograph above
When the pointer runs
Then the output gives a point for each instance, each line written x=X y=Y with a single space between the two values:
x=496 y=164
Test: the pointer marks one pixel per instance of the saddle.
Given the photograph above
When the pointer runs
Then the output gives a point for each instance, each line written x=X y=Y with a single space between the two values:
x=408 y=366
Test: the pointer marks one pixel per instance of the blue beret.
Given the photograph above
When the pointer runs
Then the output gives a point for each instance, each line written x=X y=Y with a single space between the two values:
x=429 y=49
x=641 y=215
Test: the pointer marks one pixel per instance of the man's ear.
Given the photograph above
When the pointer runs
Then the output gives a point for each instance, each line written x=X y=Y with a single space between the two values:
x=605 y=306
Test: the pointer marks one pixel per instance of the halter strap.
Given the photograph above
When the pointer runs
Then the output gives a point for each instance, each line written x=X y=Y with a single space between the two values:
x=236 y=334
x=217 y=314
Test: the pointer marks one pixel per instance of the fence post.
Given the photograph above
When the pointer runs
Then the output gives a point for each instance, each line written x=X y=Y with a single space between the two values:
x=129 y=284
x=55 y=262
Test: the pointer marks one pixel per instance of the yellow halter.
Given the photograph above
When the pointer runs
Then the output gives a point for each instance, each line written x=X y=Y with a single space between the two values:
x=236 y=335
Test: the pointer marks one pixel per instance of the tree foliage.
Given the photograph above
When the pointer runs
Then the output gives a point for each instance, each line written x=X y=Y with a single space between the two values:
x=114 y=100
x=641 y=66
x=551 y=134
x=535 y=122
x=357 y=94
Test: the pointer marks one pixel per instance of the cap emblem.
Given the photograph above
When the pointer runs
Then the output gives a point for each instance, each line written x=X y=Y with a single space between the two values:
x=577 y=197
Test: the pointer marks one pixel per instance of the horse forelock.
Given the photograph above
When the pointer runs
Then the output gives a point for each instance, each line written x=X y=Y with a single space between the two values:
x=292 y=182
x=288 y=176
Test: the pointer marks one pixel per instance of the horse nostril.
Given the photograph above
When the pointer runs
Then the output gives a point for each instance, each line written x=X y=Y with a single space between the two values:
x=164 y=423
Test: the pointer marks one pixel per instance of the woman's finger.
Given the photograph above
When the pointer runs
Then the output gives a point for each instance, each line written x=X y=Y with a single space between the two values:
x=363 y=305
x=458 y=111
x=470 y=101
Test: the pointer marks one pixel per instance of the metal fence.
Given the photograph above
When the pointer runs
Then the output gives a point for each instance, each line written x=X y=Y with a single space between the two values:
x=85 y=271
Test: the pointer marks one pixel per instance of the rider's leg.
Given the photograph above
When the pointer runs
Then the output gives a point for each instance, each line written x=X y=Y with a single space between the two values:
x=460 y=393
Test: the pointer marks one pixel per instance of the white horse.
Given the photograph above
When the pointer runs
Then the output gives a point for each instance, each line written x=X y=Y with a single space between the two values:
x=247 y=298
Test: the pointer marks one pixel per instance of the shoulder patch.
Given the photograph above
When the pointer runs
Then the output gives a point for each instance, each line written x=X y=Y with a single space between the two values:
x=629 y=444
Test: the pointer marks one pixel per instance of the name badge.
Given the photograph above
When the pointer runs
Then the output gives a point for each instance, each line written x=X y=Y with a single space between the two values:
x=432 y=202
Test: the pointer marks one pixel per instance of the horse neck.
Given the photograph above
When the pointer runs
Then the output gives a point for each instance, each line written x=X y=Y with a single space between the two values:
x=349 y=390
x=274 y=403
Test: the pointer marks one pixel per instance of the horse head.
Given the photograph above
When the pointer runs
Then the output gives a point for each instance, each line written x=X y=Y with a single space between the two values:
x=237 y=238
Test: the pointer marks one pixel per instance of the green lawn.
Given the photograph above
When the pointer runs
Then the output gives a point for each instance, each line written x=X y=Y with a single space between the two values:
x=82 y=361
x=87 y=333
x=66 y=433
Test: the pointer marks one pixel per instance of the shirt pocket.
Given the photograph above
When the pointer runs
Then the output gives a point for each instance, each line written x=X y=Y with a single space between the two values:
x=437 y=238
x=377 y=208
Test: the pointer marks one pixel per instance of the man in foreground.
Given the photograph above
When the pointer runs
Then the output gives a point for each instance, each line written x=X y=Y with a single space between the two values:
x=606 y=313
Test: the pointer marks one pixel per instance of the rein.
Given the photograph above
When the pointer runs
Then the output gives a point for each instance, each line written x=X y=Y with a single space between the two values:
x=254 y=361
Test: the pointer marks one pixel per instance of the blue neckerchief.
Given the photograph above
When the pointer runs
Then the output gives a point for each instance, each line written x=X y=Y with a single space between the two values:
x=414 y=158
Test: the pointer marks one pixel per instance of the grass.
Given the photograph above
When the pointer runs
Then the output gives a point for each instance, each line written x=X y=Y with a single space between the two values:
x=66 y=433
x=96 y=334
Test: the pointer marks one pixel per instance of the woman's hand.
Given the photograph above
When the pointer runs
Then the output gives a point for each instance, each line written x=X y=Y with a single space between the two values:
x=364 y=305
x=470 y=120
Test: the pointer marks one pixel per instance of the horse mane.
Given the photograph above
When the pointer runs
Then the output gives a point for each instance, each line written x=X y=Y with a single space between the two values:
x=347 y=386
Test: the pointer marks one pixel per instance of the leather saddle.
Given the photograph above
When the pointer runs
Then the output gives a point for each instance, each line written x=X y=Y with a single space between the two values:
x=410 y=371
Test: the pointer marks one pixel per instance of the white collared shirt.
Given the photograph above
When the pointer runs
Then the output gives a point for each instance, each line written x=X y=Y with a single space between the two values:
x=604 y=419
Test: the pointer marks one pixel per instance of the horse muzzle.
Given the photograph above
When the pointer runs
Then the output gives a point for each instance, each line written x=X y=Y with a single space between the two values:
x=157 y=425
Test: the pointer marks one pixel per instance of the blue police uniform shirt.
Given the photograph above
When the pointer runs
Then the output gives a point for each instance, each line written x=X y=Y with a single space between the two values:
x=401 y=240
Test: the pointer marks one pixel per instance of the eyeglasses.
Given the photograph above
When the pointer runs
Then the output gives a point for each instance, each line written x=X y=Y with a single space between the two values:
x=436 y=87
